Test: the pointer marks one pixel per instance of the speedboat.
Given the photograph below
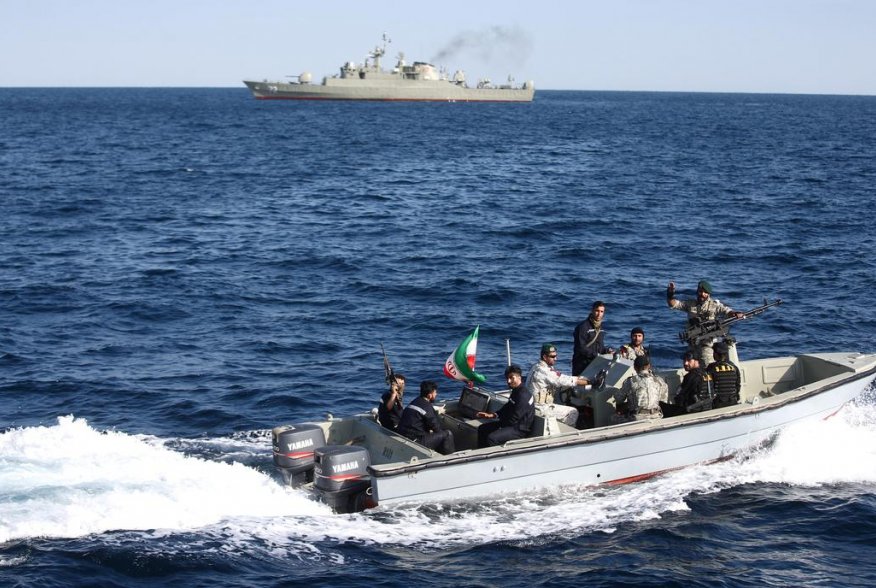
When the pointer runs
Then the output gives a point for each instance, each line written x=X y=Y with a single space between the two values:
x=354 y=463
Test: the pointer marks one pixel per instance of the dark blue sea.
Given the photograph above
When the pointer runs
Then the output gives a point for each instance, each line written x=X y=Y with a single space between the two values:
x=183 y=269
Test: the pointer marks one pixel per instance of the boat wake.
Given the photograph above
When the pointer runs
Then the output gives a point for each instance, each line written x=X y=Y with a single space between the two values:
x=71 y=481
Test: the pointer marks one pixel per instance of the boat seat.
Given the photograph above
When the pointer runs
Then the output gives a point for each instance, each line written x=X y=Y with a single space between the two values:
x=548 y=426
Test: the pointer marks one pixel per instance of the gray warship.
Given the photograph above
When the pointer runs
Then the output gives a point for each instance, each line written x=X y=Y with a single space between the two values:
x=369 y=81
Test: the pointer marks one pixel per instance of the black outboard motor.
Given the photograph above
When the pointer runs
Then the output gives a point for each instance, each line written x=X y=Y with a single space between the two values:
x=341 y=477
x=293 y=451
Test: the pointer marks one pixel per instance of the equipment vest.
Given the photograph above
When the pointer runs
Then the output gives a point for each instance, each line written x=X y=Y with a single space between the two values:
x=726 y=381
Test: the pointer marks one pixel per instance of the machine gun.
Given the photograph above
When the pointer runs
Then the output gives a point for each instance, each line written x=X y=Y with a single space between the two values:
x=706 y=330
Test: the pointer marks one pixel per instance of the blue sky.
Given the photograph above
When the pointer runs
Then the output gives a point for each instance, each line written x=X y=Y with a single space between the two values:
x=799 y=46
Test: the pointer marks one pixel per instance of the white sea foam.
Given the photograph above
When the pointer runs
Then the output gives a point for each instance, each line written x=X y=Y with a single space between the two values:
x=8 y=562
x=69 y=480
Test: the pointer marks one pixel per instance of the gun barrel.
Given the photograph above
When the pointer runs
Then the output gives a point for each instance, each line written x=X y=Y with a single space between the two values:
x=761 y=309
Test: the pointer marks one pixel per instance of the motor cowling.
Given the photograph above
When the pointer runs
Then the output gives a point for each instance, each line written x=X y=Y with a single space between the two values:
x=294 y=447
x=341 y=476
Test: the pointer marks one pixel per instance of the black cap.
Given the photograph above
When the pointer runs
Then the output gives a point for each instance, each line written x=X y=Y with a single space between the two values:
x=513 y=369
x=721 y=348
x=642 y=362
x=688 y=355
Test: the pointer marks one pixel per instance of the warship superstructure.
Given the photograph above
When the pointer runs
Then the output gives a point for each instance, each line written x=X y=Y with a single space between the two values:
x=419 y=81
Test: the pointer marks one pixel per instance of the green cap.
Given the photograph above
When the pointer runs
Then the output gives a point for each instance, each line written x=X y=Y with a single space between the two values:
x=704 y=286
x=547 y=348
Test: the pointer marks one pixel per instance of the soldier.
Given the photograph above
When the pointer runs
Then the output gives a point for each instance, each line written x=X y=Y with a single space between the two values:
x=695 y=392
x=702 y=308
x=726 y=379
x=635 y=347
x=389 y=411
x=588 y=339
x=420 y=422
x=546 y=384
x=515 y=417
x=640 y=395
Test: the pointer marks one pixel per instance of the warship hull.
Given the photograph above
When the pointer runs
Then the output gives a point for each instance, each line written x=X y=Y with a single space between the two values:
x=426 y=91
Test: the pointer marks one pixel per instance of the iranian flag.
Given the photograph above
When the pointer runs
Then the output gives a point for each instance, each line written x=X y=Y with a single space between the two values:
x=461 y=363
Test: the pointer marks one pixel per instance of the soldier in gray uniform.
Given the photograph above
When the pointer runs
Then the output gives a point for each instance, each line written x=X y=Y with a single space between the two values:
x=640 y=395
x=700 y=309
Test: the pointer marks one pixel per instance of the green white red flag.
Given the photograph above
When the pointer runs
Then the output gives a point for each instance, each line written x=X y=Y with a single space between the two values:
x=461 y=363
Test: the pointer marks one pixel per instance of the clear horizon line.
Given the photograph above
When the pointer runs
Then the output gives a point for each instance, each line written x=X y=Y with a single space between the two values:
x=537 y=90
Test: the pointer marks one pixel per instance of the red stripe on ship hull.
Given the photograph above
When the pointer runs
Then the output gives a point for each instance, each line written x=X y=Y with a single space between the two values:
x=382 y=99
x=641 y=477
x=834 y=413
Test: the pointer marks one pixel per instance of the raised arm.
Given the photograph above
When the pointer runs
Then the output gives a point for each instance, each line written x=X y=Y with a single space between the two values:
x=670 y=295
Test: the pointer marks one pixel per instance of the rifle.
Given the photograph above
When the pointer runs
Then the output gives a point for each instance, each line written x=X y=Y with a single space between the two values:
x=387 y=369
x=705 y=330
x=389 y=373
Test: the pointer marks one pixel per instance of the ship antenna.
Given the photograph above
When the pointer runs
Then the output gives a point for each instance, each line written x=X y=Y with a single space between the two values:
x=380 y=52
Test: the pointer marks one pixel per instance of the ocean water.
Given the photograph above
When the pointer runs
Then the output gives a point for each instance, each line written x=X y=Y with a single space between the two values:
x=183 y=269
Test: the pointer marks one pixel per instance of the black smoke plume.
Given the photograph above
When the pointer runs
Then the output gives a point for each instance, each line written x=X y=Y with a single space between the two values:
x=495 y=44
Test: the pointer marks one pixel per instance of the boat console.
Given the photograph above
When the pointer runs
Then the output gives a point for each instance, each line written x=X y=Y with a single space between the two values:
x=472 y=401
x=607 y=374
x=459 y=416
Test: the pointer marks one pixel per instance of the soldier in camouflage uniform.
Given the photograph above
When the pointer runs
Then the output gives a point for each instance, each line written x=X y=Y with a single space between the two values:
x=640 y=395
x=547 y=385
x=635 y=347
x=700 y=309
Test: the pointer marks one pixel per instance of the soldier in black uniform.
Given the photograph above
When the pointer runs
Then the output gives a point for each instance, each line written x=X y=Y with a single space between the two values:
x=726 y=379
x=389 y=411
x=695 y=393
x=419 y=421
x=588 y=339
x=515 y=417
